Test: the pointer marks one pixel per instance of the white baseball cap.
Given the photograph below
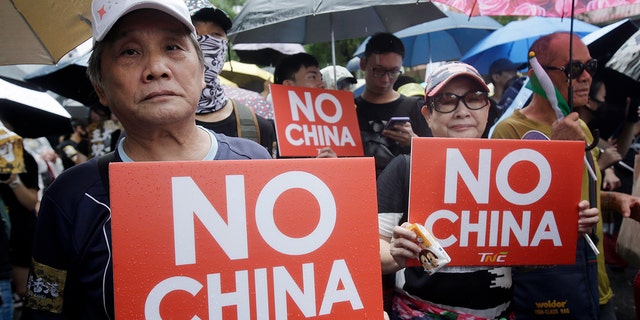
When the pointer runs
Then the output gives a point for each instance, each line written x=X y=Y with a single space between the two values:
x=343 y=76
x=107 y=12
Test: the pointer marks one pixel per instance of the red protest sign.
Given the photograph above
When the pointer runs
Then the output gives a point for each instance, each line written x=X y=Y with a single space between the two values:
x=498 y=202
x=308 y=119
x=260 y=239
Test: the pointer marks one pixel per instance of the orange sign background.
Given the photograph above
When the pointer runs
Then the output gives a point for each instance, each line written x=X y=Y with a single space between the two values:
x=274 y=263
x=308 y=119
x=518 y=167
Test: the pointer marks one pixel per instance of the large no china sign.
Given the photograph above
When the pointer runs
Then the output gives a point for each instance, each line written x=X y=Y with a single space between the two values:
x=258 y=239
x=498 y=202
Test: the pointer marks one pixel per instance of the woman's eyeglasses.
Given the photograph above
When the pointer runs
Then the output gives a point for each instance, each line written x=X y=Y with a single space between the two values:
x=574 y=69
x=448 y=102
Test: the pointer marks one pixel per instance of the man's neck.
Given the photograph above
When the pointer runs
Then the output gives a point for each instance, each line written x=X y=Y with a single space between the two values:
x=380 y=98
x=217 y=115
x=585 y=114
x=188 y=143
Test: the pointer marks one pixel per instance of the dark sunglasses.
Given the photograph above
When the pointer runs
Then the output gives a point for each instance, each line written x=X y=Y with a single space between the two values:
x=574 y=69
x=448 y=102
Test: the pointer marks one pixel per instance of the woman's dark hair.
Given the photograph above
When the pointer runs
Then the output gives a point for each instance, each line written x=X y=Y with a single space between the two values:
x=596 y=85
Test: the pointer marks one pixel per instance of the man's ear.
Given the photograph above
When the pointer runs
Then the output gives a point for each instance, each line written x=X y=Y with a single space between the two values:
x=101 y=96
x=288 y=83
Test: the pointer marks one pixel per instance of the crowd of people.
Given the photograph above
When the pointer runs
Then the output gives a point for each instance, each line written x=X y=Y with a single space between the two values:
x=155 y=68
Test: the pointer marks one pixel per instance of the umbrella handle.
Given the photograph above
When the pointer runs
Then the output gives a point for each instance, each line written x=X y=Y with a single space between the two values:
x=596 y=139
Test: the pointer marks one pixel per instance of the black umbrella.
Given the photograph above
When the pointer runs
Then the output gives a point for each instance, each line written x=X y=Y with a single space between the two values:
x=32 y=113
x=265 y=54
x=604 y=42
x=626 y=59
x=605 y=45
x=295 y=21
x=67 y=79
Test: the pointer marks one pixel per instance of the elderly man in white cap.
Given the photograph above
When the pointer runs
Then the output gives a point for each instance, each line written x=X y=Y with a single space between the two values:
x=147 y=68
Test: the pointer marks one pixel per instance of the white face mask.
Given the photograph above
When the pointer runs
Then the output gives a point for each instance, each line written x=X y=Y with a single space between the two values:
x=213 y=97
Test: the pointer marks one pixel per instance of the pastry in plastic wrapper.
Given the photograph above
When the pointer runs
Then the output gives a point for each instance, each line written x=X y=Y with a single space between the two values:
x=432 y=257
x=11 y=153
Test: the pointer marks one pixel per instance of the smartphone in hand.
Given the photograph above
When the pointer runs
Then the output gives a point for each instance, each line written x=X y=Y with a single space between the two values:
x=396 y=120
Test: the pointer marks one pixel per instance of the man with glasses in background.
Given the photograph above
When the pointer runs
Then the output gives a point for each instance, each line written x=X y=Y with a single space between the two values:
x=584 y=286
x=378 y=103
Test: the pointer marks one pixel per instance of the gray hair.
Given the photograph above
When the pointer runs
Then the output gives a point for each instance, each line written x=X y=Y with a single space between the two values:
x=95 y=73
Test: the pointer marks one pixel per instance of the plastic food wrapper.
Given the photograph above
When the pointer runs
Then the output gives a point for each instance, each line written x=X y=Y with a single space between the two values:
x=11 y=153
x=432 y=257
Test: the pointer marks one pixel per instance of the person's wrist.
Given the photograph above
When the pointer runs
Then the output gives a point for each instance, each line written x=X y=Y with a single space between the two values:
x=15 y=183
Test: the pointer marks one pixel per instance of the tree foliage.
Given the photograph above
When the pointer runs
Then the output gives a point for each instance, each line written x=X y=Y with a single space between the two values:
x=344 y=51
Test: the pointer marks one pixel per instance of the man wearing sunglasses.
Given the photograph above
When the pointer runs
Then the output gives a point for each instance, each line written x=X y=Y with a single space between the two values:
x=382 y=65
x=585 y=285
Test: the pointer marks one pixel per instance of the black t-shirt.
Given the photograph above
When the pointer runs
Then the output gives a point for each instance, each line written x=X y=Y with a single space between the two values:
x=229 y=127
x=22 y=219
x=372 y=119
x=483 y=289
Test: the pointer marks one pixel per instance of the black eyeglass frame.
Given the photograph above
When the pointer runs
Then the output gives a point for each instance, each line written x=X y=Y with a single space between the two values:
x=392 y=74
x=590 y=66
x=436 y=107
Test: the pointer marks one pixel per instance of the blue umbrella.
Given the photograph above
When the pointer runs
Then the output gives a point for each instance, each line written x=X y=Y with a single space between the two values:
x=443 y=39
x=514 y=40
